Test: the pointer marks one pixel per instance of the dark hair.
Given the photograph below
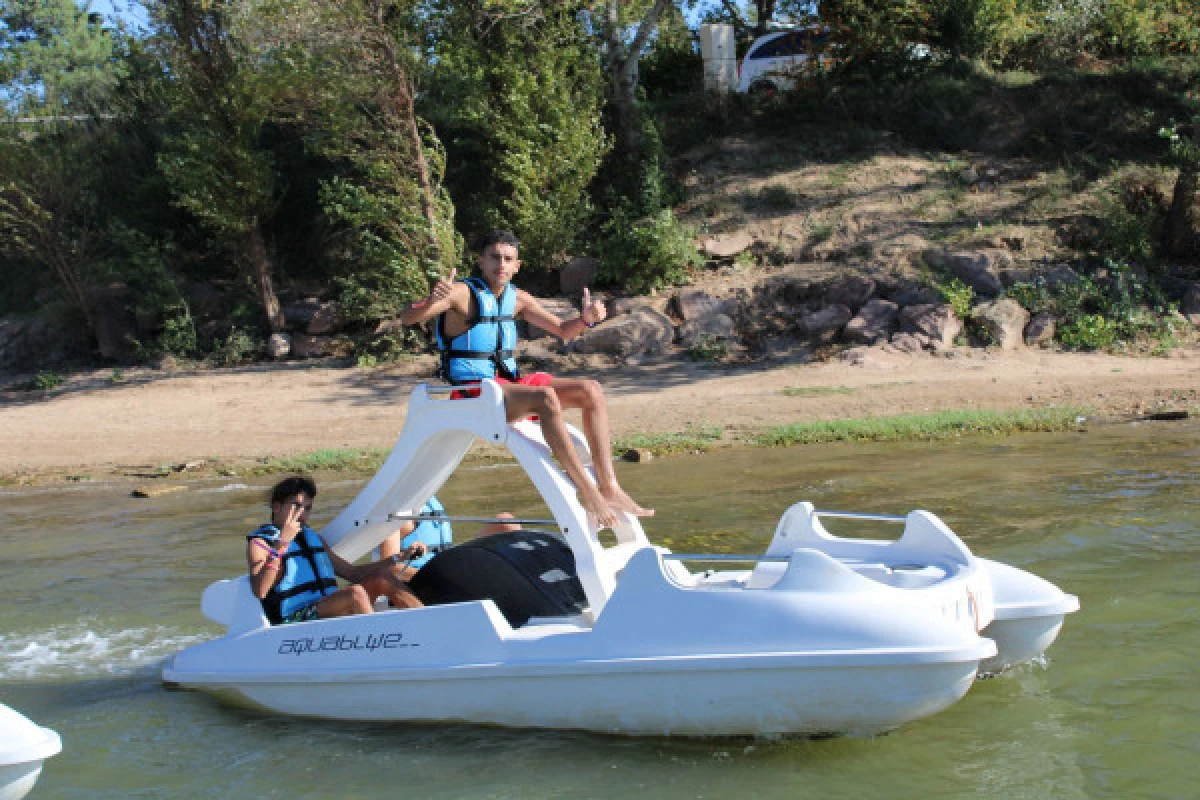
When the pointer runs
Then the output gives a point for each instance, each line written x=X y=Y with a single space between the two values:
x=500 y=237
x=296 y=484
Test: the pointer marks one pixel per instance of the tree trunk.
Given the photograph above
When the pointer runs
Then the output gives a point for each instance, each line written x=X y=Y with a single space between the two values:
x=404 y=111
x=404 y=101
x=260 y=262
x=623 y=66
x=1180 y=234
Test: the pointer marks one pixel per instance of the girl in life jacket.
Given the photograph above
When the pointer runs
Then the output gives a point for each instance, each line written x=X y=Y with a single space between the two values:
x=295 y=574
x=435 y=533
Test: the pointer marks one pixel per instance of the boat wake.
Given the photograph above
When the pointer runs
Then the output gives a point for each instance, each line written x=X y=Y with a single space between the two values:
x=78 y=650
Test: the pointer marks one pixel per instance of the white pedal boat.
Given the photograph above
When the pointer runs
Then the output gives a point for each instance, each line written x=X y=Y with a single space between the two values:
x=23 y=747
x=824 y=635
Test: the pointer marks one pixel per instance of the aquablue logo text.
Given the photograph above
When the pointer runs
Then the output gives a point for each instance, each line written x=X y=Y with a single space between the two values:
x=368 y=641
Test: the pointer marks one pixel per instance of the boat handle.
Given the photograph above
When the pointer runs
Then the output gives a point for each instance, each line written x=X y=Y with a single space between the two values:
x=859 y=515
x=722 y=557
x=441 y=518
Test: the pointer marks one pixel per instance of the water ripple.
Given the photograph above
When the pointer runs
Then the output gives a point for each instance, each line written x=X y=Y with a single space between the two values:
x=81 y=650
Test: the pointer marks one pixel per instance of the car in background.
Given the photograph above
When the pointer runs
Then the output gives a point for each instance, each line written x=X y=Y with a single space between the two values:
x=776 y=61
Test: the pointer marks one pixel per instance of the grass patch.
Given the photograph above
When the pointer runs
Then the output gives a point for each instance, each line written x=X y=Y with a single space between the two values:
x=919 y=427
x=803 y=391
x=43 y=381
x=702 y=439
x=333 y=460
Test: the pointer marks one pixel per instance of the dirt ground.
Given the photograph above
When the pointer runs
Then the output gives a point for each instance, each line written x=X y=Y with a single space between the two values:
x=95 y=426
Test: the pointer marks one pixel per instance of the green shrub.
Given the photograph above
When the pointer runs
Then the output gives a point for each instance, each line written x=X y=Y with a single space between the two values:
x=1119 y=304
x=958 y=295
x=1088 y=332
x=40 y=382
x=1130 y=229
x=178 y=336
x=707 y=349
x=237 y=348
x=647 y=254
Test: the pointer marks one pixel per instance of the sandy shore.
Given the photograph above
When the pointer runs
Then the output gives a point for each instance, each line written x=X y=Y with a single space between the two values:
x=95 y=425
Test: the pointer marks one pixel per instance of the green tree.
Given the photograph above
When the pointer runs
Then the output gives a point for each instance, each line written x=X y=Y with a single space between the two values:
x=518 y=94
x=347 y=75
x=212 y=156
x=49 y=209
x=55 y=57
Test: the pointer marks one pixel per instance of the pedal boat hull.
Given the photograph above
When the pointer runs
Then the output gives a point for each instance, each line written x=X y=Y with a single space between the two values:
x=664 y=659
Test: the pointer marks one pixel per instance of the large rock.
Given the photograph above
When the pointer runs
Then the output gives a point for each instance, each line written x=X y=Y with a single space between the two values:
x=693 y=304
x=714 y=327
x=852 y=291
x=873 y=323
x=788 y=289
x=1061 y=275
x=727 y=246
x=1041 y=329
x=279 y=345
x=907 y=343
x=1004 y=320
x=325 y=320
x=627 y=305
x=305 y=346
x=297 y=315
x=980 y=270
x=643 y=332
x=826 y=325
x=937 y=321
x=1190 y=305
x=577 y=274
x=912 y=294
x=561 y=307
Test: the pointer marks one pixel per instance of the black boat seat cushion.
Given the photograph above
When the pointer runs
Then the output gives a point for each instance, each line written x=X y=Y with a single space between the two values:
x=525 y=573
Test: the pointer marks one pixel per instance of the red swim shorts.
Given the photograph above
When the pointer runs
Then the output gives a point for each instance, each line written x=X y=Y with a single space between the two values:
x=533 y=379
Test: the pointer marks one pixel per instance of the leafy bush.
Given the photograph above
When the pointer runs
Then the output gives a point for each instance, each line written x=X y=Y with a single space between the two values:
x=1132 y=222
x=40 y=382
x=1116 y=304
x=1088 y=332
x=707 y=349
x=178 y=336
x=958 y=295
x=647 y=254
x=237 y=348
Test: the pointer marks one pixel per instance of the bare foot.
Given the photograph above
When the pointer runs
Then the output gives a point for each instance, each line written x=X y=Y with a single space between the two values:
x=620 y=501
x=598 y=508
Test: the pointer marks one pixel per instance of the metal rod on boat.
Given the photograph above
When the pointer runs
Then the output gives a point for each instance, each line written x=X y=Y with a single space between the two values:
x=858 y=515
x=721 y=557
x=498 y=520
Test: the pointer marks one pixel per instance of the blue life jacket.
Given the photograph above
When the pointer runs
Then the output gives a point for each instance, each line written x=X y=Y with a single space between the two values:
x=485 y=348
x=305 y=574
x=436 y=534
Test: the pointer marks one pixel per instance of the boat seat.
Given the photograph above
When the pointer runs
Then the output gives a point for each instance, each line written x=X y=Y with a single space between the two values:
x=232 y=603
x=525 y=573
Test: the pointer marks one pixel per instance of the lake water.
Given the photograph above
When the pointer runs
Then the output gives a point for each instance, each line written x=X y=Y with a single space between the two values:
x=101 y=587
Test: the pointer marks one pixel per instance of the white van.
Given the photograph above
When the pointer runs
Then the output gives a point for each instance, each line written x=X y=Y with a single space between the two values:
x=775 y=61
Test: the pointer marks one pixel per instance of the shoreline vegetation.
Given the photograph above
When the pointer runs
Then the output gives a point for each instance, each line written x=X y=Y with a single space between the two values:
x=636 y=447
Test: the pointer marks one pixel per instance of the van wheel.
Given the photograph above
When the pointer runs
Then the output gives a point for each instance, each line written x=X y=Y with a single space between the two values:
x=763 y=90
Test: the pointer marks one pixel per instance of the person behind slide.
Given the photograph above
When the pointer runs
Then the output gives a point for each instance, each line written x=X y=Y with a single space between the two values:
x=477 y=333
x=295 y=574
x=436 y=534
